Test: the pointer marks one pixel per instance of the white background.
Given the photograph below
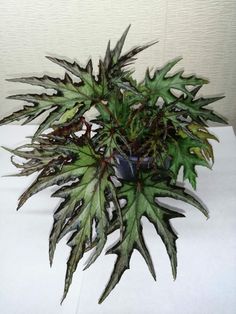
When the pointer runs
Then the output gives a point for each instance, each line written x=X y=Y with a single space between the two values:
x=206 y=281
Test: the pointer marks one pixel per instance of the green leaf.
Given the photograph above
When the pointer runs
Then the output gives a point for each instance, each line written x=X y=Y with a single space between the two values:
x=68 y=96
x=113 y=58
x=183 y=154
x=141 y=201
x=75 y=98
x=85 y=203
x=118 y=48
x=195 y=108
x=98 y=87
x=114 y=63
x=202 y=134
x=85 y=74
x=110 y=139
x=59 y=173
x=161 y=85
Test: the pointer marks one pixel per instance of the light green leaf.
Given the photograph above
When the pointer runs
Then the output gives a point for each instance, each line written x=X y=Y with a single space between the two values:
x=141 y=201
x=70 y=95
x=59 y=173
x=85 y=203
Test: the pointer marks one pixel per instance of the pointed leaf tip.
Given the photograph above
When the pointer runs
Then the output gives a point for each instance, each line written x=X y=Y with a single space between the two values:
x=127 y=29
x=50 y=58
x=18 y=206
x=62 y=300
x=9 y=80
x=119 y=46
x=50 y=258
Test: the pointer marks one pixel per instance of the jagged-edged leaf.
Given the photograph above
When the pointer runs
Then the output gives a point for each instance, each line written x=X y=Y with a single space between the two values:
x=195 y=108
x=132 y=239
x=114 y=61
x=113 y=57
x=59 y=171
x=161 y=85
x=202 y=134
x=75 y=98
x=110 y=140
x=116 y=52
x=128 y=57
x=116 y=109
x=85 y=203
x=141 y=201
x=162 y=188
x=183 y=154
x=84 y=200
x=36 y=159
x=85 y=74
x=65 y=86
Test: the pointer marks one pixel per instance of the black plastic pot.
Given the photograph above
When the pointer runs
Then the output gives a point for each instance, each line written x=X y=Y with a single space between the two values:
x=127 y=168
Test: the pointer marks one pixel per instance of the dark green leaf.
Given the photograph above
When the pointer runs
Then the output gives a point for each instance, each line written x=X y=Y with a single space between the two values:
x=161 y=85
x=183 y=154
x=195 y=109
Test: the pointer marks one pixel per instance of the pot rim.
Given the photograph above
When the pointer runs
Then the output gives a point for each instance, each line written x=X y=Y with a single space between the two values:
x=134 y=158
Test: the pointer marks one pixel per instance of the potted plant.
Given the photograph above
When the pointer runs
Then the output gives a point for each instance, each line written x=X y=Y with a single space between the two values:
x=130 y=154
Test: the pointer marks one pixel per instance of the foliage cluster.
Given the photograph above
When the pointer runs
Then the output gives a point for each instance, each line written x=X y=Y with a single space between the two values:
x=161 y=117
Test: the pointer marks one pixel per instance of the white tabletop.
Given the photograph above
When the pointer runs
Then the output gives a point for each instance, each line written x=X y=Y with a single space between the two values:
x=206 y=281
